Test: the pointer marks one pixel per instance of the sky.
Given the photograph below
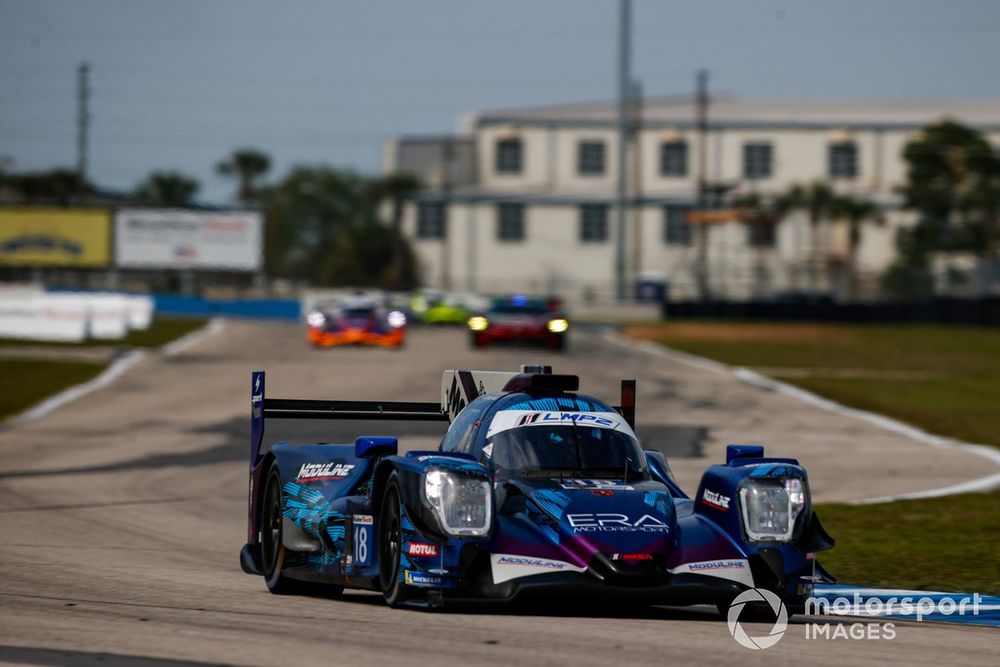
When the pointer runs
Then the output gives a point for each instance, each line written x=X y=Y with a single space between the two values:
x=179 y=84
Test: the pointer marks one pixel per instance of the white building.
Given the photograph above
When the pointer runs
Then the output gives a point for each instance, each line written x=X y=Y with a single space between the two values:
x=527 y=201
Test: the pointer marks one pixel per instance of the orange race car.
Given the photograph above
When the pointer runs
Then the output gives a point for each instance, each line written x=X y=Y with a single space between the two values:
x=356 y=322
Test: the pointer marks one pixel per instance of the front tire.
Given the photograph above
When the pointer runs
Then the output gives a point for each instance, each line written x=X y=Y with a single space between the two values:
x=390 y=544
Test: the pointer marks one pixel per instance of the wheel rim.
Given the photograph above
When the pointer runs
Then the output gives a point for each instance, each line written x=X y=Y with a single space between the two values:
x=271 y=530
x=391 y=541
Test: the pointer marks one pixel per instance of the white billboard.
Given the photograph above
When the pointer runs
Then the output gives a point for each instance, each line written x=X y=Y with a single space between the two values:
x=180 y=239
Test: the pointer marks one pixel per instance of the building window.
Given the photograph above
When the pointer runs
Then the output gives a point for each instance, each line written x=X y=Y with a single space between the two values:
x=761 y=234
x=510 y=153
x=590 y=157
x=843 y=160
x=594 y=223
x=676 y=230
x=757 y=158
x=430 y=220
x=674 y=158
x=510 y=222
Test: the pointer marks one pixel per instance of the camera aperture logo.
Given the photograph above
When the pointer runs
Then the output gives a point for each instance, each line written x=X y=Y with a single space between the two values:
x=911 y=607
x=758 y=596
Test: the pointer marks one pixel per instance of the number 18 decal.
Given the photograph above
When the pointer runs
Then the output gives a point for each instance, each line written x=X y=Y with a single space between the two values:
x=362 y=540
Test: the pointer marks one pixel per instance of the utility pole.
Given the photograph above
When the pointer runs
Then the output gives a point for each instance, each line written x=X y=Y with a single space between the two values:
x=704 y=289
x=635 y=189
x=624 y=83
x=448 y=151
x=82 y=120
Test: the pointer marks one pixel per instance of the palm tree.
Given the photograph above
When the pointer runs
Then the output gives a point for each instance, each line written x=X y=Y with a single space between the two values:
x=821 y=204
x=856 y=211
x=396 y=188
x=166 y=188
x=819 y=201
x=246 y=165
x=762 y=214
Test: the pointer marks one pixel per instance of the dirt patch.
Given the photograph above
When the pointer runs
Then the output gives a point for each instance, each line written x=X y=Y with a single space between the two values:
x=736 y=331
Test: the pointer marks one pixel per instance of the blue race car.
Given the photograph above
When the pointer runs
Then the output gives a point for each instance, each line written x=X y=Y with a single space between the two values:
x=535 y=489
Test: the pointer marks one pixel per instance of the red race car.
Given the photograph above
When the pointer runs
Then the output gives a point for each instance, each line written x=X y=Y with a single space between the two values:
x=521 y=319
x=356 y=322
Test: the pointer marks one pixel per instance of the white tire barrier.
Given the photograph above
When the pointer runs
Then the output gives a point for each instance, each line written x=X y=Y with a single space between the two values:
x=72 y=317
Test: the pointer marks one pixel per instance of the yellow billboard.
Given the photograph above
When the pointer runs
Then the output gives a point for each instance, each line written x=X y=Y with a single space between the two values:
x=55 y=237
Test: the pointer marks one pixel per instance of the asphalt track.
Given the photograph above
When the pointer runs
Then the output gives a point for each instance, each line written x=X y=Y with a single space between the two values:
x=122 y=514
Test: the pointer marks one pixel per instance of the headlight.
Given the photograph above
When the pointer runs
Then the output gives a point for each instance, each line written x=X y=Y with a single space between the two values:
x=463 y=504
x=771 y=508
x=396 y=319
x=316 y=319
x=478 y=323
x=558 y=326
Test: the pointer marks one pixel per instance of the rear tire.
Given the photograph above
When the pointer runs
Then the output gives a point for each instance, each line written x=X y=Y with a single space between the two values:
x=390 y=545
x=273 y=552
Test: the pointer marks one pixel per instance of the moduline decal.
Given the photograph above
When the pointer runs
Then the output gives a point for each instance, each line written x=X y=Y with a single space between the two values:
x=734 y=569
x=509 y=566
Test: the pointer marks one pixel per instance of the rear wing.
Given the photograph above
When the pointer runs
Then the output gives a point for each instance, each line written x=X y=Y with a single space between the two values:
x=458 y=389
x=262 y=407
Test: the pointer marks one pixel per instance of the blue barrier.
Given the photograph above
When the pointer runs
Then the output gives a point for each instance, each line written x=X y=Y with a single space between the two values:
x=173 y=304
x=196 y=306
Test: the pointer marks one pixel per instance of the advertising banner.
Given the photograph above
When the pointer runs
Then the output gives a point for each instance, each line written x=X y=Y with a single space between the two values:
x=44 y=317
x=45 y=237
x=177 y=239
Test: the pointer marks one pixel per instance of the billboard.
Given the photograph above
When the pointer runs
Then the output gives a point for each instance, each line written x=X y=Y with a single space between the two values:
x=179 y=239
x=64 y=237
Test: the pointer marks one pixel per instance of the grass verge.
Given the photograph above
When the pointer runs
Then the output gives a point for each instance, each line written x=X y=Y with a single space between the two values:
x=942 y=544
x=162 y=331
x=943 y=379
x=29 y=381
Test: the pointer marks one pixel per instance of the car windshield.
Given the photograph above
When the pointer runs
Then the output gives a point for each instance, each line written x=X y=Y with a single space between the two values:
x=359 y=312
x=526 y=309
x=566 y=448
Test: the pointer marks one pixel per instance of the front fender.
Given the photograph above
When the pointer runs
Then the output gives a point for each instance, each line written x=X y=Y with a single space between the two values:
x=410 y=469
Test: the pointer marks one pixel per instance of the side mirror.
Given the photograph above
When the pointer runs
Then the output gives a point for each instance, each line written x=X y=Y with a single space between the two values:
x=373 y=446
x=661 y=472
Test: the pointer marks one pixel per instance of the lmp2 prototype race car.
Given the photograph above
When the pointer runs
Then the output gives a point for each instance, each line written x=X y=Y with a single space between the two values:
x=520 y=319
x=535 y=489
x=355 y=321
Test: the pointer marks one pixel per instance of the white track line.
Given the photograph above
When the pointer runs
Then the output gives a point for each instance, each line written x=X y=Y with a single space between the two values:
x=110 y=374
x=174 y=348
x=748 y=376
x=115 y=370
